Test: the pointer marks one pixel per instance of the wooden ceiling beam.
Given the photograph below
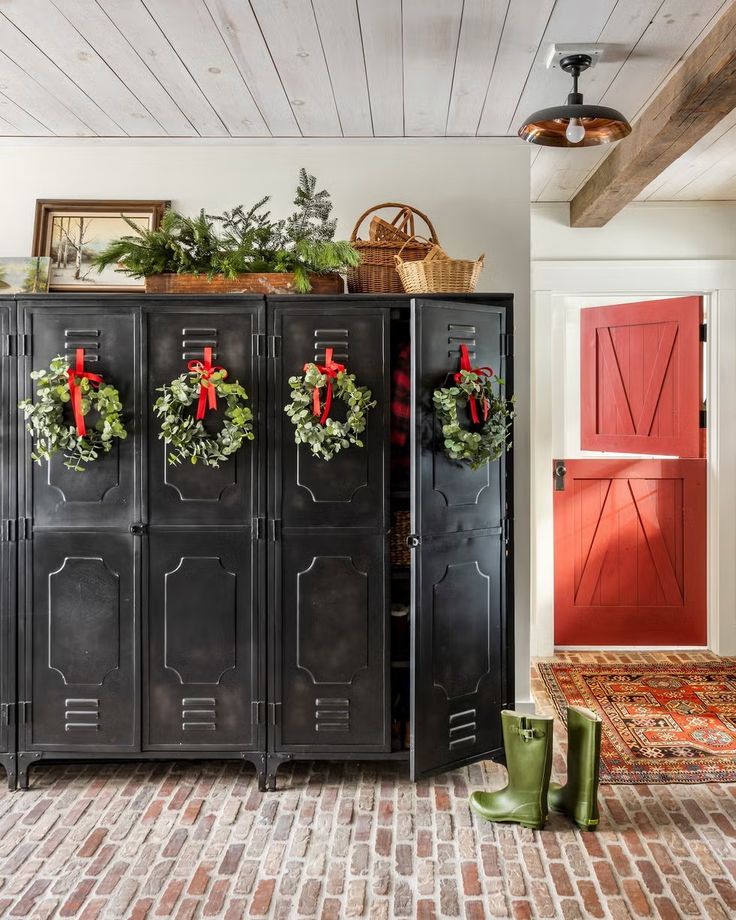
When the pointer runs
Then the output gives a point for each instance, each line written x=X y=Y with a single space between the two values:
x=694 y=100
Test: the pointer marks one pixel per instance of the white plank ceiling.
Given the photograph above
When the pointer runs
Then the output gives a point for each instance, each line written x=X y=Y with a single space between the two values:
x=348 y=68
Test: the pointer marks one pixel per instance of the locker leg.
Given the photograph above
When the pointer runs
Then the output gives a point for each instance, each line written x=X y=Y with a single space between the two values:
x=8 y=761
x=273 y=762
x=25 y=762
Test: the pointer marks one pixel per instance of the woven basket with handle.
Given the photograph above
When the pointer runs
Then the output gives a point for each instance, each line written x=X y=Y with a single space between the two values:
x=436 y=273
x=377 y=273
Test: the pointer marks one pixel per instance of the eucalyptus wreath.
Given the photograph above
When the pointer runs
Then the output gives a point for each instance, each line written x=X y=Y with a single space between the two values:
x=327 y=439
x=186 y=436
x=52 y=433
x=489 y=442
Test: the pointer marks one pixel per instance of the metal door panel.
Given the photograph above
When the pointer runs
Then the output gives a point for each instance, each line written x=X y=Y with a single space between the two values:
x=202 y=649
x=460 y=653
x=196 y=494
x=347 y=491
x=330 y=680
x=8 y=512
x=80 y=655
x=107 y=493
x=451 y=496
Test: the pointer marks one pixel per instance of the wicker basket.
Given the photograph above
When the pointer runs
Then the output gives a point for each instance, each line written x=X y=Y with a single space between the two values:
x=377 y=273
x=438 y=274
x=400 y=530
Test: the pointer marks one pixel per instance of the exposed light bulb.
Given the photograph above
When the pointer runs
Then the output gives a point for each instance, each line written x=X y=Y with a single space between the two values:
x=575 y=131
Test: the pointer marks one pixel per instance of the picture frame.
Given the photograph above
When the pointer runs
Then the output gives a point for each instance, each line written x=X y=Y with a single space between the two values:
x=24 y=274
x=70 y=231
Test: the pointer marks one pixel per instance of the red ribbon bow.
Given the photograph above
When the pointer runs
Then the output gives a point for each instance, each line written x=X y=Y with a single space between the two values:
x=207 y=392
x=75 y=391
x=482 y=372
x=330 y=369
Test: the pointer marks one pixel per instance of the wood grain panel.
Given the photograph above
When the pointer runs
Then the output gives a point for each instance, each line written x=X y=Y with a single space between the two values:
x=430 y=47
x=194 y=36
x=53 y=34
x=290 y=30
x=135 y=22
x=381 y=27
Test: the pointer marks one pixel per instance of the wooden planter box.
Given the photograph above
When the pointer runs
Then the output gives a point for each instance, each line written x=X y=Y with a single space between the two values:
x=253 y=283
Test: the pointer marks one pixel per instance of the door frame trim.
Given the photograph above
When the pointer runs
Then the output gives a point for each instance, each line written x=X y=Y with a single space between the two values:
x=715 y=281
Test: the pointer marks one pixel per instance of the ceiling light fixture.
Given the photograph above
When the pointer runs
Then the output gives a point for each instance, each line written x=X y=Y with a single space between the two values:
x=575 y=124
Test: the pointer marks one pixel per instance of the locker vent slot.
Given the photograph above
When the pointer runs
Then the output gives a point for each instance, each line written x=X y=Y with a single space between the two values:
x=88 y=339
x=195 y=340
x=457 y=335
x=461 y=729
x=332 y=715
x=198 y=714
x=82 y=715
x=337 y=339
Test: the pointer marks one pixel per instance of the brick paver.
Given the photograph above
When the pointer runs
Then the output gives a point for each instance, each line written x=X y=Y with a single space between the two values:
x=192 y=840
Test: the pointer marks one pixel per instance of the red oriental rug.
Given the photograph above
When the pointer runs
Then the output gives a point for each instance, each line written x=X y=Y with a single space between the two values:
x=662 y=723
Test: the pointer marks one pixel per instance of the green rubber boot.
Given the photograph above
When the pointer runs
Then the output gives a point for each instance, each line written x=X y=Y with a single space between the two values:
x=578 y=798
x=528 y=744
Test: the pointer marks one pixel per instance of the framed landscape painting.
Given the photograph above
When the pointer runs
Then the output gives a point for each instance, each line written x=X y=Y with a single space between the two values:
x=70 y=233
x=24 y=275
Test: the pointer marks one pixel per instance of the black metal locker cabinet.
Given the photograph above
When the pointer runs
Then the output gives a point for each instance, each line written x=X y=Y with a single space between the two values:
x=79 y=606
x=8 y=544
x=460 y=631
x=328 y=675
x=204 y=614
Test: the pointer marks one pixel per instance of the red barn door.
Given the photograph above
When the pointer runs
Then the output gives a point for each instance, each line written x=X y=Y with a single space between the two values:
x=640 y=380
x=630 y=557
x=630 y=535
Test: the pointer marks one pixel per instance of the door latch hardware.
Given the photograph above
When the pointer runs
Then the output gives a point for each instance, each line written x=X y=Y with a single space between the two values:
x=274 y=531
x=413 y=540
x=559 y=472
x=259 y=528
x=258 y=712
x=137 y=529
x=275 y=710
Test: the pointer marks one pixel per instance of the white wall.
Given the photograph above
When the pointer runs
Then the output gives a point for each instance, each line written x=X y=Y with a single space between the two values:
x=643 y=230
x=477 y=194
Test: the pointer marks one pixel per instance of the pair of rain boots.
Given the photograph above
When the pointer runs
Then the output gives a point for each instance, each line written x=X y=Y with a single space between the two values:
x=529 y=794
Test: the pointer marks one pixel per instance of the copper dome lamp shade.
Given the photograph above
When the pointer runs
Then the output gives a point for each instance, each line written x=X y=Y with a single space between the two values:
x=575 y=124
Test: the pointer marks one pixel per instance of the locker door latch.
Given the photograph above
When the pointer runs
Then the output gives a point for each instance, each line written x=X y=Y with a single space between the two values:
x=137 y=529
x=559 y=473
x=413 y=540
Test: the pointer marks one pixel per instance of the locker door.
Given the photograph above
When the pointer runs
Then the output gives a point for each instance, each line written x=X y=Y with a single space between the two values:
x=79 y=604
x=8 y=513
x=460 y=621
x=329 y=662
x=204 y=614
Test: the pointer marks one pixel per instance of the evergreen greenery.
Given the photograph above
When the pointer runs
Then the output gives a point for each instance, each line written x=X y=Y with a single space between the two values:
x=491 y=439
x=53 y=434
x=240 y=241
x=329 y=439
x=186 y=436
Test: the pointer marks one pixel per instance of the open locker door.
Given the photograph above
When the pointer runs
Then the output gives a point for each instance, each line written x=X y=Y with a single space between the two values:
x=460 y=675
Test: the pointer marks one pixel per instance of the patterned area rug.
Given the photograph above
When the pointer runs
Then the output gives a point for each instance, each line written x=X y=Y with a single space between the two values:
x=662 y=723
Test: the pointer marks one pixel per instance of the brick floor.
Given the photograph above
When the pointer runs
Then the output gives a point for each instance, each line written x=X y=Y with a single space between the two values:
x=197 y=840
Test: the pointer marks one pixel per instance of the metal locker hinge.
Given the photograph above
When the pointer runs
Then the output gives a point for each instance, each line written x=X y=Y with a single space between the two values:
x=275 y=709
x=258 y=712
x=703 y=332
x=506 y=529
x=703 y=418
x=259 y=344
x=559 y=473
x=274 y=530
x=507 y=344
